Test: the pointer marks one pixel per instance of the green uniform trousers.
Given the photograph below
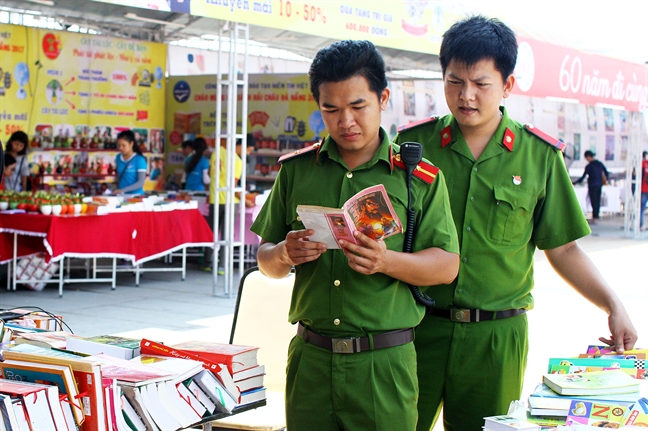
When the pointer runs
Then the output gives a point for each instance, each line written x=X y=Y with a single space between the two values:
x=472 y=370
x=373 y=391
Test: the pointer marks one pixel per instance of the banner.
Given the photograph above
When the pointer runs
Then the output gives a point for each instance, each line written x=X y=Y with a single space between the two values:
x=545 y=70
x=410 y=25
x=58 y=86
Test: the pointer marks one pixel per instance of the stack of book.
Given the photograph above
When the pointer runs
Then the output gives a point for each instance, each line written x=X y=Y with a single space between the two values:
x=111 y=383
x=593 y=390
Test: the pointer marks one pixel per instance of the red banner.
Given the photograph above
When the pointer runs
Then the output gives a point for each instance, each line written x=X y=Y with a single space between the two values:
x=545 y=70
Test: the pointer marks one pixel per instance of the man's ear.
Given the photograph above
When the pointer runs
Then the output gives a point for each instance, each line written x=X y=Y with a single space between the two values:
x=508 y=85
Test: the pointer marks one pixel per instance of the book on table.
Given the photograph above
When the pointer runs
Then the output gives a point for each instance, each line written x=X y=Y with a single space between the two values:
x=56 y=339
x=87 y=374
x=120 y=347
x=508 y=423
x=251 y=383
x=236 y=357
x=33 y=400
x=216 y=391
x=59 y=375
x=8 y=414
x=596 y=382
x=595 y=414
x=252 y=396
x=369 y=211
x=638 y=414
x=259 y=370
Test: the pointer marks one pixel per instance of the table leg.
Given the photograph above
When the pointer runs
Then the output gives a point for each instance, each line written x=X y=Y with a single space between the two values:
x=114 y=274
x=207 y=426
x=61 y=267
x=94 y=267
x=14 y=261
x=8 y=275
x=137 y=274
x=184 y=263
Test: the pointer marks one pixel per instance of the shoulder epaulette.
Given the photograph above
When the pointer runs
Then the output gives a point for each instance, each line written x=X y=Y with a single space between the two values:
x=413 y=124
x=305 y=150
x=557 y=143
x=424 y=171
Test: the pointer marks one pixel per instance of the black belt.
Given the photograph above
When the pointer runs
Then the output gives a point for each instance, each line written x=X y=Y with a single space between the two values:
x=356 y=344
x=473 y=315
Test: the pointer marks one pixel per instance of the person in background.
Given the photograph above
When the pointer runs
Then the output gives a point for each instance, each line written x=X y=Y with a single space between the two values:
x=131 y=165
x=222 y=183
x=352 y=364
x=644 y=189
x=510 y=193
x=9 y=168
x=597 y=176
x=197 y=166
x=17 y=147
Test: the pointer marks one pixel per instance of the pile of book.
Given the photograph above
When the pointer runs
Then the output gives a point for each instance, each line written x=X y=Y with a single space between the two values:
x=109 y=383
x=598 y=389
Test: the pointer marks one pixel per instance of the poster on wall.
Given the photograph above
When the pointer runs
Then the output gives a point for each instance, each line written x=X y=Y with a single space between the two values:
x=58 y=86
x=609 y=147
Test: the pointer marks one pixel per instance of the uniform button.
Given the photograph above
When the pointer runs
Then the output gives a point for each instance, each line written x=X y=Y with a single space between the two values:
x=475 y=169
x=298 y=218
x=468 y=229
x=336 y=322
x=349 y=174
x=463 y=259
x=336 y=283
x=472 y=199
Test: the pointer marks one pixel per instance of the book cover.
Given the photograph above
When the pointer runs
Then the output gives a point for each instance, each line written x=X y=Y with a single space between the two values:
x=120 y=347
x=596 y=414
x=507 y=423
x=596 y=382
x=638 y=415
x=236 y=357
x=219 y=370
x=49 y=374
x=607 y=351
x=369 y=211
x=128 y=372
x=608 y=363
x=56 y=339
x=180 y=369
x=87 y=374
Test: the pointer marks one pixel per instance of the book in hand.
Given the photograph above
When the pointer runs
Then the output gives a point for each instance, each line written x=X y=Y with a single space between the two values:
x=369 y=211
x=236 y=357
x=596 y=382
x=508 y=423
x=119 y=347
x=596 y=414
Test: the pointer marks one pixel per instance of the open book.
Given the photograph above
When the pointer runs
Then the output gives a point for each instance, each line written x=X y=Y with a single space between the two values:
x=368 y=211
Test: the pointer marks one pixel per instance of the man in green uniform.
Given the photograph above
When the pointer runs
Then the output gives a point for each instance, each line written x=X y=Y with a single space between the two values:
x=353 y=365
x=510 y=193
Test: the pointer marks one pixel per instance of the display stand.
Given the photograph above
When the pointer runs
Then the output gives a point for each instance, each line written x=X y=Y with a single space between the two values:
x=207 y=422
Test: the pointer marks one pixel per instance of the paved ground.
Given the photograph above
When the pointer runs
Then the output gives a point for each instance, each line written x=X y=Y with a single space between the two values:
x=167 y=309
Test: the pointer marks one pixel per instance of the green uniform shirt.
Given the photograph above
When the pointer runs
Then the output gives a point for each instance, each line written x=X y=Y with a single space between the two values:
x=504 y=205
x=329 y=296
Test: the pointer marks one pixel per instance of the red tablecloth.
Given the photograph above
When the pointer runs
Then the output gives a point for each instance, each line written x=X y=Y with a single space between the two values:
x=138 y=236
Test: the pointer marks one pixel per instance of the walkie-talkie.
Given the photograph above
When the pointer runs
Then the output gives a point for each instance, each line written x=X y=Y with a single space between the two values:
x=411 y=154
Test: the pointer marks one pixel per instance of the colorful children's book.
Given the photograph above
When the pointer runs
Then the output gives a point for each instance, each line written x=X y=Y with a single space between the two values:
x=369 y=211
x=609 y=363
x=597 y=382
x=638 y=415
x=608 y=352
x=545 y=398
x=595 y=414
x=236 y=357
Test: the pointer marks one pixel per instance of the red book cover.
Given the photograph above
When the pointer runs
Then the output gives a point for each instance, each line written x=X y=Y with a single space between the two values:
x=236 y=357
x=149 y=347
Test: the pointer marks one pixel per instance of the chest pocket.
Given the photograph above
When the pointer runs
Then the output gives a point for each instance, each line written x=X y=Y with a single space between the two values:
x=510 y=221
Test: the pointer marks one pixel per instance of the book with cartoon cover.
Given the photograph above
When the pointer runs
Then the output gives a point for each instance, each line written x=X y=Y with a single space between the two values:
x=369 y=211
x=596 y=414
x=592 y=383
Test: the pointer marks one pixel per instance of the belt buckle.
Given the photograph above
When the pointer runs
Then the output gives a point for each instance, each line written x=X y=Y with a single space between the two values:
x=460 y=315
x=345 y=345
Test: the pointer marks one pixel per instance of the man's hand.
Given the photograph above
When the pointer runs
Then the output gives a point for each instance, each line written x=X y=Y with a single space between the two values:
x=368 y=258
x=624 y=335
x=298 y=249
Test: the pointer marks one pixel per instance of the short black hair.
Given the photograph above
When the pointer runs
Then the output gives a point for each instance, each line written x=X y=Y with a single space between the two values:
x=588 y=153
x=644 y=154
x=19 y=136
x=9 y=160
x=345 y=59
x=187 y=144
x=479 y=38
x=129 y=136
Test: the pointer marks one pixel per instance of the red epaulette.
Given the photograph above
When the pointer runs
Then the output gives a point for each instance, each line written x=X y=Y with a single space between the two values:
x=305 y=150
x=557 y=143
x=424 y=171
x=418 y=123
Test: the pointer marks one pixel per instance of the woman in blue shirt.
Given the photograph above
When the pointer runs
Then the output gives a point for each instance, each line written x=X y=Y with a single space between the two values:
x=131 y=165
x=197 y=167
